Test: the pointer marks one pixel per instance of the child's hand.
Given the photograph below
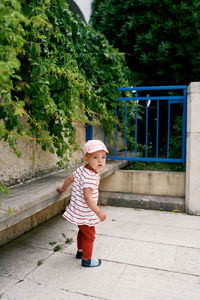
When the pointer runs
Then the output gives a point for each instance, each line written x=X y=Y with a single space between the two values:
x=102 y=216
x=59 y=189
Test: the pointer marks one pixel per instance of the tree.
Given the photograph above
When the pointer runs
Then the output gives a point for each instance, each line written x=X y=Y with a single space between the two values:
x=161 y=39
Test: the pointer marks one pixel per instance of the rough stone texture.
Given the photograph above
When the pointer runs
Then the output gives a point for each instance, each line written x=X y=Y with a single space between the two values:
x=142 y=201
x=145 y=182
x=34 y=161
x=14 y=170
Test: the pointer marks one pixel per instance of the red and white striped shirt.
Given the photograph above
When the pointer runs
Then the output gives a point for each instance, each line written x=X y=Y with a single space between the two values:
x=78 y=211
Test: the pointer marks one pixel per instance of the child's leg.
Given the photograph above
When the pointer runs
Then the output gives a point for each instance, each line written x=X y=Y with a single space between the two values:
x=79 y=244
x=88 y=237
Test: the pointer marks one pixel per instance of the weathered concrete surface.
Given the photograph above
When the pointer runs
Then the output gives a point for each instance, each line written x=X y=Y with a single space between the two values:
x=142 y=201
x=146 y=255
x=34 y=161
x=145 y=182
x=192 y=153
x=36 y=201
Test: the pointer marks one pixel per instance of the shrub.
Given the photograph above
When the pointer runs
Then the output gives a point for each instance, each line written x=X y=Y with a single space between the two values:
x=160 y=38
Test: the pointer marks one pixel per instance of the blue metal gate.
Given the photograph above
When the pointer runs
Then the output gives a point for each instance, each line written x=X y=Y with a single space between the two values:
x=159 y=97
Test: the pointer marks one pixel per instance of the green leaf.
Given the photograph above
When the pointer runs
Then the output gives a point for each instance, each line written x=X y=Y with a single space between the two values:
x=10 y=213
x=52 y=243
x=57 y=248
x=40 y=262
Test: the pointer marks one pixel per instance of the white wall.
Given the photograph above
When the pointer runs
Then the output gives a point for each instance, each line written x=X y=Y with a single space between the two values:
x=193 y=149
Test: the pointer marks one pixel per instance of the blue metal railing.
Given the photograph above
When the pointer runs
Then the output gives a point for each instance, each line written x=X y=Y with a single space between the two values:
x=89 y=131
x=181 y=98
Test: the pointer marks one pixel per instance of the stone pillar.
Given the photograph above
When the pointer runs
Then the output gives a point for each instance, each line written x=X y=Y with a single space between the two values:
x=192 y=193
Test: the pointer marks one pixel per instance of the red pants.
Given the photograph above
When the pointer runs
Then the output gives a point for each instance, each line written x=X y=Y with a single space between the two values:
x=85 y=240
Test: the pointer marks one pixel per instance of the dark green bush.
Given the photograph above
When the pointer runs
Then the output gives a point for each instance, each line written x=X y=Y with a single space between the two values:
x=160 y=38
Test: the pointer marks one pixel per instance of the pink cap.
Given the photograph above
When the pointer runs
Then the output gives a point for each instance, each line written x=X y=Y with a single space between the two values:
x=92 y=146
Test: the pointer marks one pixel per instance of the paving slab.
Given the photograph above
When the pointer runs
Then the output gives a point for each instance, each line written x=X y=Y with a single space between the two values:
x=17 y=259
x=169 y=235
x=27 y=290
x=6 y=283
x=46 y=237
x=153 y=217
x=59 y=223
x=159 y=227
x=132 y=252
x=146 y=255
x=142 y=284
x=65 y=272
x=187 y=261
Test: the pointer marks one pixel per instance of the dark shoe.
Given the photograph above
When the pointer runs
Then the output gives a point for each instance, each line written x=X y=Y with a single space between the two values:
x=79 y=254
x=89 y=263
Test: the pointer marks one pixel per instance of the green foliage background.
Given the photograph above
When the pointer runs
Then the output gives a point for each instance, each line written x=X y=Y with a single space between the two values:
x=161 y=38
x=53 y=70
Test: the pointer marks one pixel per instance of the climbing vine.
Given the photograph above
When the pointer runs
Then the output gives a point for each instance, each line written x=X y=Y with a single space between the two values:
x=53 y=69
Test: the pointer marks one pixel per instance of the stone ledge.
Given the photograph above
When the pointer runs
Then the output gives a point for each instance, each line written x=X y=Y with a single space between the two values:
x=166 y=203
x=30 y=222
x=38 y=196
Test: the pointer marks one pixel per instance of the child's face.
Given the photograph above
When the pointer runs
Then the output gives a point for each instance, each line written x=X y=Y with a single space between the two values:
x=96 y=160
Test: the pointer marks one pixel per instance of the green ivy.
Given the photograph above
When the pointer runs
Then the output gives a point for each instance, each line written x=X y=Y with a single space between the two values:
x=53 y=69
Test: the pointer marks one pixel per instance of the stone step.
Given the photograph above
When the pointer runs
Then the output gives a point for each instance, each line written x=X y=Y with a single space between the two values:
x=165 y=203
x=37 y=201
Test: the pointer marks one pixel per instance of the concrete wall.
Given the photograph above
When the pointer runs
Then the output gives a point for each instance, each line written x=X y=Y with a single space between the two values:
x=145 y=182
x=193 y=150
x=34 y=161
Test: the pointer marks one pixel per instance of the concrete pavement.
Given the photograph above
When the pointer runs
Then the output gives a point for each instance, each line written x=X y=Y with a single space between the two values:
x=145 y=254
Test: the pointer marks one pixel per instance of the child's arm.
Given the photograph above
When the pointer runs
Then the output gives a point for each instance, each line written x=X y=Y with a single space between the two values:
x=92 y=205
x=66 y=184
